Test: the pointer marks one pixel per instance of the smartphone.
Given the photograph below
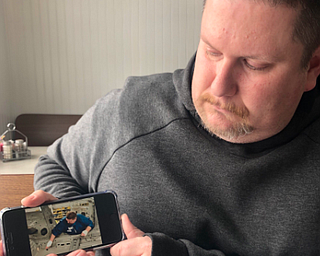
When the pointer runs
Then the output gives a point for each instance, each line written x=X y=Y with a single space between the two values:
x=88 y=222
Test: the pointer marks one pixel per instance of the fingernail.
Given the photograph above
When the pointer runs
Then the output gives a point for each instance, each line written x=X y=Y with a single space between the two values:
x=32 y=197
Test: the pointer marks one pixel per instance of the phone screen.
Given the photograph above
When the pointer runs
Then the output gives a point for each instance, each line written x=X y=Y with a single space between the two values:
x=84 y=222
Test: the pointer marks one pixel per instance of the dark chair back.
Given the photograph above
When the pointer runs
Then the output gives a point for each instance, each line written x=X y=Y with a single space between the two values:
x=44 y=129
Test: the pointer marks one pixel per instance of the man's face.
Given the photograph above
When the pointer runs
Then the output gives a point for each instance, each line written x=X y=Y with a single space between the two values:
x=247 y=73
x=71 y=221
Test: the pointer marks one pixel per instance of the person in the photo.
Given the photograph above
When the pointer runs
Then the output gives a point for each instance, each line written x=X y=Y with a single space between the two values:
x=71 y=224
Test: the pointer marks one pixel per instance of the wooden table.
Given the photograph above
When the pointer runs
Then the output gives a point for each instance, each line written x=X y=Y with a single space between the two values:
x=16 y=178
x=13 y=188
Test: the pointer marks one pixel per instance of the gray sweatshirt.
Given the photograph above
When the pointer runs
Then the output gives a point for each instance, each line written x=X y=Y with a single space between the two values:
x=192 y=193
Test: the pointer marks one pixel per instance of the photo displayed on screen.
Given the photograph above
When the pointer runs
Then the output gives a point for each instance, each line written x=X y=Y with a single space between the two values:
x=63 y=227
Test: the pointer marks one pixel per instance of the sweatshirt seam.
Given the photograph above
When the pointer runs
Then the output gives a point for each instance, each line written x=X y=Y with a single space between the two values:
x=310 y=138
x=132 y=139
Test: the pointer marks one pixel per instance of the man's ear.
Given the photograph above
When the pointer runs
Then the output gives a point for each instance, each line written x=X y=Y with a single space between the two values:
x=313 y=70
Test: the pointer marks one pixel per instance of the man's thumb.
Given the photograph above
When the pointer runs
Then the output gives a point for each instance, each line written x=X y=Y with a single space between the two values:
x=129 y=229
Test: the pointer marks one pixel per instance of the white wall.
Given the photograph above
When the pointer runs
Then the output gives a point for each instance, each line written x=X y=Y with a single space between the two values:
x=62 y=55
x=5 y=96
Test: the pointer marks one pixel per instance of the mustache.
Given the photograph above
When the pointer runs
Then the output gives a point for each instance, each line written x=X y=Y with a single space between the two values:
x=242 y=112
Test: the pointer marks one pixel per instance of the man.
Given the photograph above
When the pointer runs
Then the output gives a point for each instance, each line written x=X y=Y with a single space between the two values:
x=221 y=158
x=71 y=224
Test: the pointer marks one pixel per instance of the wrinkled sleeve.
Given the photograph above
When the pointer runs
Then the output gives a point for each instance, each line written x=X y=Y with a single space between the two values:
x=62 y=172
x=73 y=163
x=165 y=245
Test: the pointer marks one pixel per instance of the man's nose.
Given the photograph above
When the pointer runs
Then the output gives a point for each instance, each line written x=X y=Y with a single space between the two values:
x=224 y=84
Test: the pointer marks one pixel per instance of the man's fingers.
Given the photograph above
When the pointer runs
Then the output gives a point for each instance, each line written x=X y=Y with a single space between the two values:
x=37 y=198
x=81 y=253
x=77 y=253
x=129 y=229
x=1 y=252
x=136 y=245
x=139 y=246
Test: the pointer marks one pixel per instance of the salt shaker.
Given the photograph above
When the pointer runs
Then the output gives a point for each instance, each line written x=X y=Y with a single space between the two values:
x=7 y=150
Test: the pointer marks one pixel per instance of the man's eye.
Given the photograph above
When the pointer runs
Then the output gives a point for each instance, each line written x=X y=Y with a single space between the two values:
x=259 y=68
x=212 y=54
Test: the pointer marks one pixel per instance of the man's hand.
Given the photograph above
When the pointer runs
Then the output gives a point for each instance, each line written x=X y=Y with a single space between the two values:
x=36 y=198
x=48 y=244
x=135 y=245
x=84 y=233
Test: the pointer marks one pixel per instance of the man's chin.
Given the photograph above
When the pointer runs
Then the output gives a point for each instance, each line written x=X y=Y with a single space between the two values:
x=228 y=131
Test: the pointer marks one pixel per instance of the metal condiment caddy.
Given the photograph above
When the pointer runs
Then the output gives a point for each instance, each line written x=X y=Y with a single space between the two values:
x=13 y=145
